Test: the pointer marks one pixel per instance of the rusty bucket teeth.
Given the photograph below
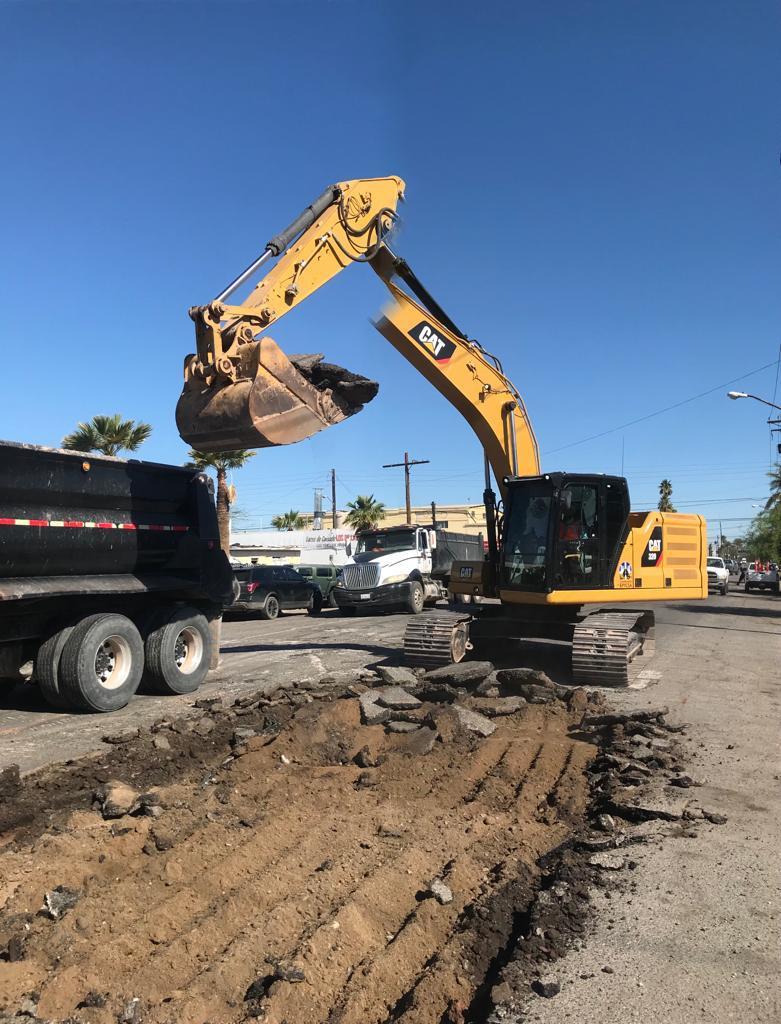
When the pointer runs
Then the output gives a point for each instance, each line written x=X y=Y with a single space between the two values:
x=281 y=405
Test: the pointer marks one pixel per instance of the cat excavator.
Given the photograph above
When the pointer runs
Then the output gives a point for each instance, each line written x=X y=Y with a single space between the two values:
x=557 y=541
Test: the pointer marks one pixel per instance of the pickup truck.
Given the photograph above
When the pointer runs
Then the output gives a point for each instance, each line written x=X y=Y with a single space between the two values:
x=762 y=576
x=718 y=575
x=110 y=571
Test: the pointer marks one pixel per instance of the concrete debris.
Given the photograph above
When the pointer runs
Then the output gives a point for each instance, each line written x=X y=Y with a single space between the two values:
x=465 y=673
x=608 y=861
x=372 y=712
x=647 y=715
x=241 y=735
x=92 y=1000
x=547 y=987
x=59 y=901
x=131 y=1012
x=15 y=949
x=160 y=742
x=396 y=698
x=10 y=781
x=394 y=676
x=441 y=892
x=606 y=823
x=420 y=742
x=533 y=693
x=500 y=706
x=437 y=693
x=290 y=973
x=714 y=817
x=402 y=727
x=646 y=808
x=524 y=677
x=683 y=781
x=350 y=391
x=365 y=759
x=117 y=799
x=489 y=686
x=474 y=722
x=122 y=737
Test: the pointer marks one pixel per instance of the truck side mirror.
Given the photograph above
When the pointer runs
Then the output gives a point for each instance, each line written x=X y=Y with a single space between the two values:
x=432 y=539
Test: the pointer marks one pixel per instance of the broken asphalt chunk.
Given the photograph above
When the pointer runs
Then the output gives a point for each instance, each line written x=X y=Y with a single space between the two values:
x=60 y=900
x=474 y=722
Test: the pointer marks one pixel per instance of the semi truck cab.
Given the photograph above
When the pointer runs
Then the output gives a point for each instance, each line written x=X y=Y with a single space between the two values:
x=401 y=568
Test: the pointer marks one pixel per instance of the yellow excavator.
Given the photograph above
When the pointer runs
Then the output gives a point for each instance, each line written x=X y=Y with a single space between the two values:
x=556 y=541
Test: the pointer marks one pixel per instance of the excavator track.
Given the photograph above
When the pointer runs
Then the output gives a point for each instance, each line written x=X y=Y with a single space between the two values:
x=436 y=638
x=605 y=643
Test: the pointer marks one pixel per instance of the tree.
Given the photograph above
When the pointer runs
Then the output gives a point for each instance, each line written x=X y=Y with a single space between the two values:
x=108 y=435
x=221 y=463
x=763 y=538
x=291 y=520
x=364 y=512
x=774 y=501
x=665 y=497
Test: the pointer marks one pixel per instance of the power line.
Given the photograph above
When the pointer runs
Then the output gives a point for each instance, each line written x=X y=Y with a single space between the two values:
x=659 y=412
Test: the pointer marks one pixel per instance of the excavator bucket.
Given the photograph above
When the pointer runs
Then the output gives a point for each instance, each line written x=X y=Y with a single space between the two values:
x=281 y=400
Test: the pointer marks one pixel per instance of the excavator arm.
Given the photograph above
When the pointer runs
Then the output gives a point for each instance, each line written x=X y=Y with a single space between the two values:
x=242 y=391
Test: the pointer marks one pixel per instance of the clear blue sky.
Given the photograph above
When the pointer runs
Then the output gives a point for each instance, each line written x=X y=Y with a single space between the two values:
x=592 y=192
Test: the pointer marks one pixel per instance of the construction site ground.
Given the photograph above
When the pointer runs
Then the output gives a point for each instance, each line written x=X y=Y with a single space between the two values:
x=313 y=868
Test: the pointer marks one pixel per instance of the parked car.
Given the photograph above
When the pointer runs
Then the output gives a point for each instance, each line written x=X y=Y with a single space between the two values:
x=325 y=577
x=762 y=576
x=718 y=575
x=270 y=589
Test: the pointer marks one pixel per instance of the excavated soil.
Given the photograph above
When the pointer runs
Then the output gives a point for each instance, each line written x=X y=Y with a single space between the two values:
x=286 y=876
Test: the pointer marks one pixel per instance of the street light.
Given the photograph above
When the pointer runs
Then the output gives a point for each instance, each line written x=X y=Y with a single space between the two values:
x=743 y=394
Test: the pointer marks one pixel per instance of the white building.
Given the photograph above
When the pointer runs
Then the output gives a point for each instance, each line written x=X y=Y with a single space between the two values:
x=307 y=547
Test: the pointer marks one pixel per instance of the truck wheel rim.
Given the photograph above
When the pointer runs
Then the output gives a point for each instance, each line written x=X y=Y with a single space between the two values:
x=112 y=662
x=188 y=650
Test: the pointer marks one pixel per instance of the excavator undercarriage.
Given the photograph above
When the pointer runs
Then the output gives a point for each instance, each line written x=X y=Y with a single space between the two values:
x=604 y=643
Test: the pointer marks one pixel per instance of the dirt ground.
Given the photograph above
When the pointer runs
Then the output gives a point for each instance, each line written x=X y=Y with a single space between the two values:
x=281 y=879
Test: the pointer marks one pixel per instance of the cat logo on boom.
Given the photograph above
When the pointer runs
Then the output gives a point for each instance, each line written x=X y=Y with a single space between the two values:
x=440 y=348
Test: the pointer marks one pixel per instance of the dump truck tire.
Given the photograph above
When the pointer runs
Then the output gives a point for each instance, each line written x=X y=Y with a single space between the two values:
x=178 y=653
x=47 y=667
x=102 y=663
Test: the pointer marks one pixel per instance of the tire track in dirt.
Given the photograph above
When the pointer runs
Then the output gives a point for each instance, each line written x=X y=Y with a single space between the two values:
x=306 y=880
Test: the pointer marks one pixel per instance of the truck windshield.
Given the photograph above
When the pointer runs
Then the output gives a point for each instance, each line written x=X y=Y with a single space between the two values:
x=391 y=540
x=717 y=563
x=527 y=528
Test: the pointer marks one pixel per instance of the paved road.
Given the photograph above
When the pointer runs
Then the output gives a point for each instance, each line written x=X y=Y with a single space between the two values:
x=699 y=938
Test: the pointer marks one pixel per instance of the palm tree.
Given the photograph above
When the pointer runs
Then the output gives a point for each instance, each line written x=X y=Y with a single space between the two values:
x=364 y=512
x=221 y=462
x=291 y=520
x=108 y=435
x=775 y=489
x=665 y=497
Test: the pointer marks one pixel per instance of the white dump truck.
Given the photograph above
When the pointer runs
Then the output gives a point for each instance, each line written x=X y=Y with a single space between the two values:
x=402 y=568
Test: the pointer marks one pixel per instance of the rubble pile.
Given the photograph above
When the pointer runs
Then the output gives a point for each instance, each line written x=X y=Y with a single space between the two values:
x=367 y=846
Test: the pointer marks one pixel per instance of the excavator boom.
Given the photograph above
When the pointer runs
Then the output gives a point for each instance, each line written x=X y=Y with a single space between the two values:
x=242 y=391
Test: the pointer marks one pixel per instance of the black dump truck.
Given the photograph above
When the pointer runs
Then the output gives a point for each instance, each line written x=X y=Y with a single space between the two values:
x=111 y=576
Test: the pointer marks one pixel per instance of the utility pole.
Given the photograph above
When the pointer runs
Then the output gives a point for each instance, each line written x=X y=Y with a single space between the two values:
x=406 y=464
x=434 y=514
x=333 y=498
x=317 y=518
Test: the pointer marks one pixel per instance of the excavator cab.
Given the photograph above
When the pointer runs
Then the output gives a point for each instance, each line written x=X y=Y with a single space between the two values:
x=240 y=389
x=563 y=532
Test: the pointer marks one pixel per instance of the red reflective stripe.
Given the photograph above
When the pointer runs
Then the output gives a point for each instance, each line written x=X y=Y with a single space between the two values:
x=78 y=524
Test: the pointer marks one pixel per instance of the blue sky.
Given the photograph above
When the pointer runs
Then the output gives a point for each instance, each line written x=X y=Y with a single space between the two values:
x=592 y=191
